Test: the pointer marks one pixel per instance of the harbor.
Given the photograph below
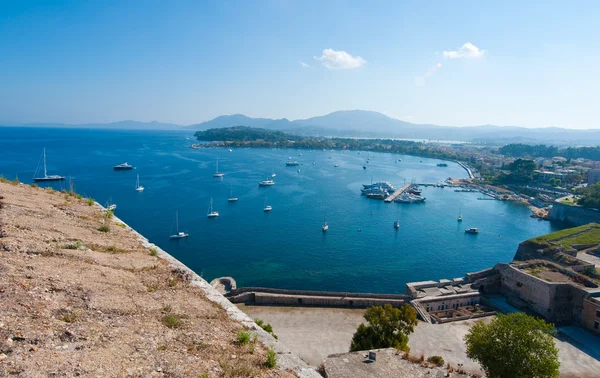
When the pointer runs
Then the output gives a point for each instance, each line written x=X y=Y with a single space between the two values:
x=398 y=192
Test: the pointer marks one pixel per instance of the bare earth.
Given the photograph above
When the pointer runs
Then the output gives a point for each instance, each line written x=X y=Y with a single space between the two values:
x=101 y=309
x=315 y=333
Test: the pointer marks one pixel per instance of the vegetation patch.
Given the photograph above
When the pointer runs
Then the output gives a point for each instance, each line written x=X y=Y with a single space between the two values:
x=586 y=234
x=104 y=228
x=271 y=361
x=436 y=360
x=266 y=326
x=172 y=321
x=243 y=337
x=153 y=251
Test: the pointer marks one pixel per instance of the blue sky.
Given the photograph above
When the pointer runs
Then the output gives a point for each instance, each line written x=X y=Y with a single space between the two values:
x=525 y=63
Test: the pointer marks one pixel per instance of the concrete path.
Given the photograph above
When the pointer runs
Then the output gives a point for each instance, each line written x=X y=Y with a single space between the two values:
x=315 y=333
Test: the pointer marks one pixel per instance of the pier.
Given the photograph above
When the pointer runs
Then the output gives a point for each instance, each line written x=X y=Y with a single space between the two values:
x=393 y=196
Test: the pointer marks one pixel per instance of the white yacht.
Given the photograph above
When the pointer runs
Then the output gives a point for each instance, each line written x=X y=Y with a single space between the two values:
x=267 y=207
x=47 y=177
x=267 y=182
x=178 y=234
x=211 y=212
x=231 y=197
x=459 y=216
x=217 y=173
x=138 y=187
x=325 y=226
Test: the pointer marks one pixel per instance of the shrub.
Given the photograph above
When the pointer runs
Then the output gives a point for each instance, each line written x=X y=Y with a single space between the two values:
x=243 y=337
x=271 y=358
x=109 y=214
x=16 y=180
x=76 y=245
x=4 y=179
x=34 y=185
x=90 y=201
x=388 y=327
x=69 y=316
x=64 y=191
x=104 y=228
x=267 y=327
x=172 y=321
x=153 y=252
x=436 y=360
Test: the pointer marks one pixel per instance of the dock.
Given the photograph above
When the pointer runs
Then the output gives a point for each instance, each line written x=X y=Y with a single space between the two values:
x=393 y=196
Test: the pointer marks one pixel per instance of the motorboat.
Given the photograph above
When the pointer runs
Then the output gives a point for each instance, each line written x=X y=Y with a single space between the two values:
x=471 y=230
x=123 y=167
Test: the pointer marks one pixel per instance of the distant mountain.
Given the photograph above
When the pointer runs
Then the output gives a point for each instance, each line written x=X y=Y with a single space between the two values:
x=121 y=125
x=361 y=123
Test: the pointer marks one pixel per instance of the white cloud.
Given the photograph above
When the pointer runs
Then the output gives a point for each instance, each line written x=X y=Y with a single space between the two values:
x=468 y=50
x=340 y=60
x=304 y=65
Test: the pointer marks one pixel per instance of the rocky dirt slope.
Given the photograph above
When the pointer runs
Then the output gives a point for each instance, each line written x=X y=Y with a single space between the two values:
x=81 y=296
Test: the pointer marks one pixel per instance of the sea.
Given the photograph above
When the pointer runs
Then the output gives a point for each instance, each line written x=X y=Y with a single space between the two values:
x=284 y=248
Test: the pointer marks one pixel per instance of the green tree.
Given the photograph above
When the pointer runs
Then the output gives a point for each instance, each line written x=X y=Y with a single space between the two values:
x=388 y=327
x=590 y=196
x=514 y=345
x=522 y=170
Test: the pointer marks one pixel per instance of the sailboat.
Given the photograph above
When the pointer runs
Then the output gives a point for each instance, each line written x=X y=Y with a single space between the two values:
x=231 y=197
x=217 y=173
x=110 y=206
x=178 y=234
x=138 y=187
x=459 y=216
x=46 y=177
x=273 y=174
x=325 y=226
x=211 y=213
x=397 y=221
x=267 y=207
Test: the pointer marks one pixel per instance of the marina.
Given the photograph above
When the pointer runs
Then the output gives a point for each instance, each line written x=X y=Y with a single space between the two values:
x=398 y=192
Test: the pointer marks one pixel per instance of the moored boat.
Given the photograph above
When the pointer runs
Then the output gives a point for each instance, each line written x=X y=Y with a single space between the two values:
x=123 y=167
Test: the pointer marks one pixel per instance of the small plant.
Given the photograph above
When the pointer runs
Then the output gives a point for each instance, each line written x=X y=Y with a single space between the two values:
x=162 y=347
x=436 y=360
x=243 y=337
x=4 y=179
x=104 y=228
x=90 y=201
x=76 y=245
x=167 y=308
x=64 y=191
x=271 y=358
x=16 y=180
x=109 y=214
x=113 y=249
x=172 y=321
x=34 y=185
x=78 y=196
x=152 y=288
x=266 y=326
x=153 y=252
x=252 y=344
x=69 y=316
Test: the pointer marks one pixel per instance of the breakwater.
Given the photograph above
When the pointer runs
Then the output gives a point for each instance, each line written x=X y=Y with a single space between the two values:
x=281 y=297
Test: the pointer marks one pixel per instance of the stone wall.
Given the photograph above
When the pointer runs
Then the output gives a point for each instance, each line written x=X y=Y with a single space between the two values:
x=575 y=215
x=555 y=301
x=280 y=297
x=589 y=318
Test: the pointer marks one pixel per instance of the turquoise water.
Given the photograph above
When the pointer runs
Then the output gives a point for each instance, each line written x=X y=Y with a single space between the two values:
x=284 y=248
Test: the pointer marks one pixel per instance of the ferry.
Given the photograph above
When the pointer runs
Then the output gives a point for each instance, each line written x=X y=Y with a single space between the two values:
x=292 y=163
x=471 y=230
x=266 y=183
x=123 y=167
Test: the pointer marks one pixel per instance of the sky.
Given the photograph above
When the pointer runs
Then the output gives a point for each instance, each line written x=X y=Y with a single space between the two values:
x=460 y=63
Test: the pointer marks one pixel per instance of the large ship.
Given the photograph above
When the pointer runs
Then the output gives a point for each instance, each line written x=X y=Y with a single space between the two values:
x=123 y=167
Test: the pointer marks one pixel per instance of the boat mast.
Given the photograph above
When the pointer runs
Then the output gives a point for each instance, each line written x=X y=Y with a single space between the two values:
x=177 y=221
x=45 y=173
x=217 y=165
